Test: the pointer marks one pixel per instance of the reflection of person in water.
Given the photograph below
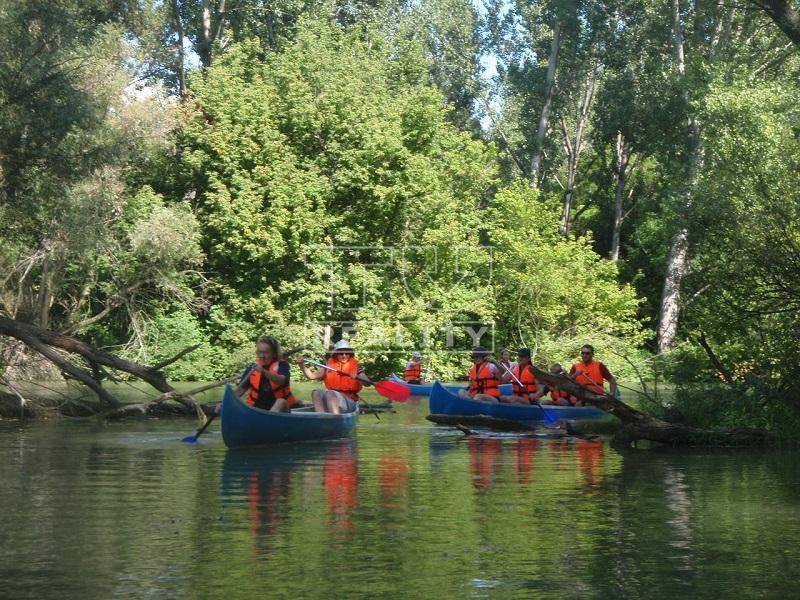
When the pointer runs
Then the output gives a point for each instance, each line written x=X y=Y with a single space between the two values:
x=393 y=480
x=483 y=455
x=524 y=450
x=590 y=457
x=268 y=500
x=341 y=487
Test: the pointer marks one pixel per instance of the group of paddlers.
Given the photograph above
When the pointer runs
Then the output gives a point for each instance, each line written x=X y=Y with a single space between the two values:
x=266 y=382
x=486 y=376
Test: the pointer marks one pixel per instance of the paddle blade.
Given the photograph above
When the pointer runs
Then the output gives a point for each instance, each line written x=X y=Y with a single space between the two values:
x=397 y=392
x=550 y=416
x=191 y=439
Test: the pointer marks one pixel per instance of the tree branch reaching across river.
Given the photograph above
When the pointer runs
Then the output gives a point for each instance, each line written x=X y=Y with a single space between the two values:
x=59 y=349
x=637 y=425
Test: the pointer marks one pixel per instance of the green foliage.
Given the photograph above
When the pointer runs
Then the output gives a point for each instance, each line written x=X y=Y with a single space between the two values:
x=167 y=334
x=555 y=294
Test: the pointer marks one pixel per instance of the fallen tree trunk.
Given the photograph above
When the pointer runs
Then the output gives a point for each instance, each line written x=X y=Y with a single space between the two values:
x=480 y=421
x=48 y=343
x=637 y=425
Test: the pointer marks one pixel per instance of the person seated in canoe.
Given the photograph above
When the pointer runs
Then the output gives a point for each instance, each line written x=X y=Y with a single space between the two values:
x=505 y=360
x=484 y=378
x=557 y=396
x=530 y=391
x=413 y=371
x=266 y=381
x=343 y=378
x=591 y=373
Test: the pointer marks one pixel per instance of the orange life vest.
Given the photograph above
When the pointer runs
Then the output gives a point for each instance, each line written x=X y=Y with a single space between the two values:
x=413 y=373
x=529 y=384
x=589 y=375
x=340 y=383
x=280 y=391
x=556 y=395
x=483 y=381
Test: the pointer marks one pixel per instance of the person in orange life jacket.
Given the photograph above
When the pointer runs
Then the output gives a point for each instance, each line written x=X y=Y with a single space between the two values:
x=531 y=391
x=484 y=378
x=591 y=373
x=341 y=393
x=413 y=371
x=557 y=396
x=266 y=381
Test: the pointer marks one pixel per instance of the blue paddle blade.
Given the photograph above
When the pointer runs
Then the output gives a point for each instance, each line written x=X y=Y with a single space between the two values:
x=191 y=439
x=549 y=417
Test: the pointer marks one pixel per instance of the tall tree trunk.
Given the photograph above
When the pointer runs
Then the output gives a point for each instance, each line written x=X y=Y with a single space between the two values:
x=212 y=23
x=621 y=174
x=181 y=51
x=573 y=148
x=44 y=300
x=678 y=258
x=786 y=16
x=544 y=118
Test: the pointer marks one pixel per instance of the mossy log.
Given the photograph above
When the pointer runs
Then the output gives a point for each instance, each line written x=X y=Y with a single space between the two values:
x=636 y=425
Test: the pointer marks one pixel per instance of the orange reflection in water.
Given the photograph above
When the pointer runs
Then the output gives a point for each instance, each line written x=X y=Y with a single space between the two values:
x=341 y=488
x=393 y=480
x=590 y=457
x=524 y=451
x=483 y=455
x=268 y=502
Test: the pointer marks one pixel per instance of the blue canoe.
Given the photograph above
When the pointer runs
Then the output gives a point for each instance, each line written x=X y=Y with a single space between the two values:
x=243 y=425
x=424 y=390
x=445 y=402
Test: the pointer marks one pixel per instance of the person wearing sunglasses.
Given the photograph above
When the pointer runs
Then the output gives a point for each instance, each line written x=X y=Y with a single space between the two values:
x=343 y=380
x=484 y=378
x=591 y=373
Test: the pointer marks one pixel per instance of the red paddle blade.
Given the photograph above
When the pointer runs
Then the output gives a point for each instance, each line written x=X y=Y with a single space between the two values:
x=397 y=392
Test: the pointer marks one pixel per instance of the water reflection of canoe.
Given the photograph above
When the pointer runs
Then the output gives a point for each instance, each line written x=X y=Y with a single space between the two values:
x=445 y=402
x=424 y=390
x=243 y=425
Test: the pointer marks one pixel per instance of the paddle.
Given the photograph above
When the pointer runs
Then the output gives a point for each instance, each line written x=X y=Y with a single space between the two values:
x=191 y=439
x=549 y=418
x=392 y=390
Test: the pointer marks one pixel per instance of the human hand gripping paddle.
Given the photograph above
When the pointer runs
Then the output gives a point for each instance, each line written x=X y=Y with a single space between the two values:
x=549 y=418
x=191 y=439
x=392 y=390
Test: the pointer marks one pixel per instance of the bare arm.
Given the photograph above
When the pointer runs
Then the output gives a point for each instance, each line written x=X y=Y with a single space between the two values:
x=312 y=375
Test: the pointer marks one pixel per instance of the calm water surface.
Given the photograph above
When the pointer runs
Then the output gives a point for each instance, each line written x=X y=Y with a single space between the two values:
x=405 y=509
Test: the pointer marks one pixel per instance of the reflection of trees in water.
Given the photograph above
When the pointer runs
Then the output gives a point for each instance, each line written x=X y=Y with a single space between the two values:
x=393 y=480
x=341 y=488
x=679 y=502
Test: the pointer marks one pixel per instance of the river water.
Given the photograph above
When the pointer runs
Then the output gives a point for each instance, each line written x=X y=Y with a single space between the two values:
x=405 y=509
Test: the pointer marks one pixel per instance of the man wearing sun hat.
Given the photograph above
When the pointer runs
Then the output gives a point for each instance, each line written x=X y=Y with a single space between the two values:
x=342 y=382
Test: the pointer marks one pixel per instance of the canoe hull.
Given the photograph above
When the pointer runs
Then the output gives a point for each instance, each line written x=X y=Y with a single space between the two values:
x=444 y=402
x=424 y=390
x=243 y=425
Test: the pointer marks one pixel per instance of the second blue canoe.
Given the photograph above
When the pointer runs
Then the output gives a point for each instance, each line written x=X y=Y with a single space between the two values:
x=445 y=402
x=424 y=390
